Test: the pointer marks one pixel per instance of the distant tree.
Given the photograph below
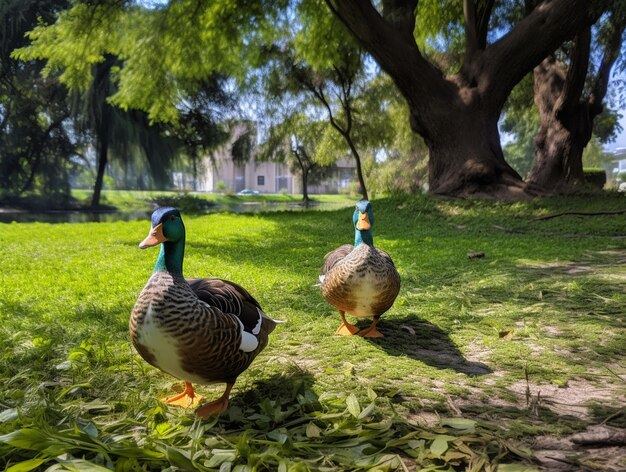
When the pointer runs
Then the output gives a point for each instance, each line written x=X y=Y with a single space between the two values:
x=324 y=82
x=569 y=98
x=294 y=141
x=36 y=147
x=404 y=164
x=334 y=89
x=202 y=126
x=160 y=100
x=521 y=122
x=340 y=84
x=595 y=157
x=119 y=132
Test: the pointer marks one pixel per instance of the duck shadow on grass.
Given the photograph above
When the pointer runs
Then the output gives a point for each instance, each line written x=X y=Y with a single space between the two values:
x=273 y=399
x=423 y=341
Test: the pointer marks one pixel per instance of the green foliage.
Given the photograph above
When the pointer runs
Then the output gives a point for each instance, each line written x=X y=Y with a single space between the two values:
x=439 y=22
x=521 y=120
x=405 y=168
x=331 y=146
x=164 y=50
x=462 y=335
x=36 y=144
x=322 y=41
x=594 y=155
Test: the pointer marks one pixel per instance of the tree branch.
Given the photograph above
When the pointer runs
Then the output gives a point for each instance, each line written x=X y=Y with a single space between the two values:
x=611 y=53
x=543 y=30
x=483 y=14
x=576 y=73
x=345 y=81
x=471 y=34
x=387 y=39
x=579 y=213
x=401 y=14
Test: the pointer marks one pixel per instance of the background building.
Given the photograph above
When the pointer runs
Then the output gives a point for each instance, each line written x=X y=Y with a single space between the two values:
x=226 y=172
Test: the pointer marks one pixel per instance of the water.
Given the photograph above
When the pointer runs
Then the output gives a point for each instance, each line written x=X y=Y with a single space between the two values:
x=110 y=216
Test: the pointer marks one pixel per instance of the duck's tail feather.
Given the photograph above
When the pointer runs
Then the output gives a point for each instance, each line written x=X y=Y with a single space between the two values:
x=267 y=317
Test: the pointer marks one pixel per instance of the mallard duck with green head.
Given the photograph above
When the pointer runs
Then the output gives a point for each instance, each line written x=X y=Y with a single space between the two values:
x=360 y=280
x=201 y=331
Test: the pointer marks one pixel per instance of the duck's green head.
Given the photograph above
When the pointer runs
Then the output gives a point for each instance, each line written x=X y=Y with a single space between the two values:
x=363 y=219
x=167 y=225
x=167 y=228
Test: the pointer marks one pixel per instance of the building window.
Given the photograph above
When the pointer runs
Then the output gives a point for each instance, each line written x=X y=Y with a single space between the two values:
x=260 y=180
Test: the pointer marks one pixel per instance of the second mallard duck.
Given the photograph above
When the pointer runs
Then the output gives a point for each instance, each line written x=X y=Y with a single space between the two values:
x=360 y=280
x=198 y=330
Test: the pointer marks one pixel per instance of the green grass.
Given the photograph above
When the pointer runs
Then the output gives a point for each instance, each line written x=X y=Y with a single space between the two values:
x=131 y=200
x=444 y=390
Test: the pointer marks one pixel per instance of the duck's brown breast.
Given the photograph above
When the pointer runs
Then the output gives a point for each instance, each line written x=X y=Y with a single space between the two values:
x=364 y=283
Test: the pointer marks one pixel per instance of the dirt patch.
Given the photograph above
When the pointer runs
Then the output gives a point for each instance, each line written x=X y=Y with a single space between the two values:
x=552 y=331
x=573 y=268
x=571 y=400
x=598 y=448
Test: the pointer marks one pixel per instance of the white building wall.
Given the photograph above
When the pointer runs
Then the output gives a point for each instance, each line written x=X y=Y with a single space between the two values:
x=220 y=173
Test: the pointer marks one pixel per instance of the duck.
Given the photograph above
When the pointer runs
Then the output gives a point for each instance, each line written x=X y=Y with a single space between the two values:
x=360 y=279
x=202 y=330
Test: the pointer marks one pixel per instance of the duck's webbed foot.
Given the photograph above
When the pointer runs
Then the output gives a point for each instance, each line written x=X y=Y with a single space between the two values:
x=187 y=399
x=215 y=407
x=345 y=328
x=372 y=331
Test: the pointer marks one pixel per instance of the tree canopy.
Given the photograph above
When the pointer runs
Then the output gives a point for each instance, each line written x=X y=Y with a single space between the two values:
x=455 y=64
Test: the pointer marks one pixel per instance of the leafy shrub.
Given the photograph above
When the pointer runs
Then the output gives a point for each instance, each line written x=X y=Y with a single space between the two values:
x=185 y=202
x=595 y=177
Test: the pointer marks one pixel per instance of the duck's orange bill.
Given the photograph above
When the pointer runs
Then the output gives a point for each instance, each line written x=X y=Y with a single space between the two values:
x=155 y=237
x=364 y=222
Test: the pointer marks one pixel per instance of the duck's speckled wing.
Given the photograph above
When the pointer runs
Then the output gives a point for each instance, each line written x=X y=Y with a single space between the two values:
x=386 y=256
x=216 y=328
x=229 y=297
x=190 y=339
x=334 y=257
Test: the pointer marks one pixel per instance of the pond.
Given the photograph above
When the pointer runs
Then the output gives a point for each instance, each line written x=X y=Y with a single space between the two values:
x=86 y=216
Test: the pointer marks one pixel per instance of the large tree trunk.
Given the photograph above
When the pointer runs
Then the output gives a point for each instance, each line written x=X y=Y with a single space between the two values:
x=466 y=158
x=457 y=115
x=566 y=116
x=563 y=133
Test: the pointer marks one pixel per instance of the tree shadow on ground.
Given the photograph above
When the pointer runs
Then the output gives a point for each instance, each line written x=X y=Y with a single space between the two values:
x=423 y=341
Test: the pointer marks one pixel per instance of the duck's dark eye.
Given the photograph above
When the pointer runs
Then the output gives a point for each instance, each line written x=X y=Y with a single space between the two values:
x=173 y=217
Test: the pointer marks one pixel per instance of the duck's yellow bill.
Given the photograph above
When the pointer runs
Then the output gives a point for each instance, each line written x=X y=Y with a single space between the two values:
x=363 y=224
x=155 y=237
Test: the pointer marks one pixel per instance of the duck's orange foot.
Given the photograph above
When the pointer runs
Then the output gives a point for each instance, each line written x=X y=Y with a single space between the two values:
x=188 y=399
x=371 y=332
x=213 y=408
x=346 y=329
x=216 y=407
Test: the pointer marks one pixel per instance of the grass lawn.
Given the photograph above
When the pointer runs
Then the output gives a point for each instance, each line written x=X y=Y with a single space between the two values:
x=490 y=363
x=130 y=200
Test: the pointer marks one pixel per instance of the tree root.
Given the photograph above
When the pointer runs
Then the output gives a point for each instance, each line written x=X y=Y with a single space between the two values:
x=580 y=213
